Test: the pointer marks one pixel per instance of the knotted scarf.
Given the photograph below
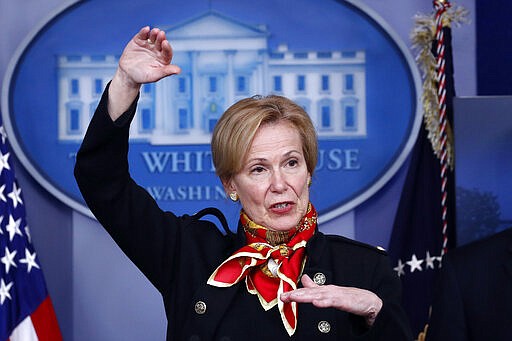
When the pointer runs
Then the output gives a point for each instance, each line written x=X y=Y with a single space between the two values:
x=271 y=263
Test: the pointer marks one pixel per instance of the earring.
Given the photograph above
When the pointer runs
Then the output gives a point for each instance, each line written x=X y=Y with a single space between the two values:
x=309 y=181
x=233 y=196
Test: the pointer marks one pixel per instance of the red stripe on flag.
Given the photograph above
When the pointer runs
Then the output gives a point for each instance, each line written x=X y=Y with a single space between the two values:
x=45 y=322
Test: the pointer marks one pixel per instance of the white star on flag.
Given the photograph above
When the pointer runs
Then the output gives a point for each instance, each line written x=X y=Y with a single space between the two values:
x=3 y=134
x=400 y=268
x=440 y=260
x=429 y=261
x=15 y=195
x=4 y=291
x=8 y=259
x=2 y=196
x=27 y=233
x=4 y=162
x=13 y=227
x=30 y=260
x=415 y=264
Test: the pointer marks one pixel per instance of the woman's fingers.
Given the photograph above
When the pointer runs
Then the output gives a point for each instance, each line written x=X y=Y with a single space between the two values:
x=353 y=300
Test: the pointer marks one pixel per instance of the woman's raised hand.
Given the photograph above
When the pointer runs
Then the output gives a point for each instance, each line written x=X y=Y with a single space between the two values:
x=145 y=59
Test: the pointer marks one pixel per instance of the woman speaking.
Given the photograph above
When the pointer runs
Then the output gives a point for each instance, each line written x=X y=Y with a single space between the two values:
x=278 y=277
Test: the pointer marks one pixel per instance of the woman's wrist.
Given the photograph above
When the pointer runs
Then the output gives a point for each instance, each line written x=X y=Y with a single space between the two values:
x=373 y=312
x=122 y=92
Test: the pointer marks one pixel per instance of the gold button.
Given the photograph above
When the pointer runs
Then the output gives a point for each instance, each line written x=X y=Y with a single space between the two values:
x=319 y=278
x=200 y=307
x=324 y=327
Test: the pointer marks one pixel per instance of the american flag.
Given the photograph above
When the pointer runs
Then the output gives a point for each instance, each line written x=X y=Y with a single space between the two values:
x=26 y=311
x=424 y=226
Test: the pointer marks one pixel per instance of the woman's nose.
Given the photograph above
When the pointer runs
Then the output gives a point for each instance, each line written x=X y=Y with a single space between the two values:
x=278 y=182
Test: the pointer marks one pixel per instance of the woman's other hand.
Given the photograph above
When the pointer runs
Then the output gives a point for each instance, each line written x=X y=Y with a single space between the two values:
x=353 y=300
x=145 y=59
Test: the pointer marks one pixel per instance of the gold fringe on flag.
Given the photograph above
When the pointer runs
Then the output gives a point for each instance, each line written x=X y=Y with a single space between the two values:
x=422 y=37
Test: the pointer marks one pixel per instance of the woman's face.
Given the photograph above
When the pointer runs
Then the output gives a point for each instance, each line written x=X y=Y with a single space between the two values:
x=273 y=183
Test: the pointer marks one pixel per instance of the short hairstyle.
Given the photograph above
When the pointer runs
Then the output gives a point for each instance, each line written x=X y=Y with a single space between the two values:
x=236 y=128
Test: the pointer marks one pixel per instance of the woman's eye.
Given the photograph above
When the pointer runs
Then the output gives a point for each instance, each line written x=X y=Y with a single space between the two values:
x=293 y=163
x=257 y=169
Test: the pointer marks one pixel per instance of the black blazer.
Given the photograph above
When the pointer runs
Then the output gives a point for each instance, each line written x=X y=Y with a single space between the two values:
x=178 y=254
x=473 y=298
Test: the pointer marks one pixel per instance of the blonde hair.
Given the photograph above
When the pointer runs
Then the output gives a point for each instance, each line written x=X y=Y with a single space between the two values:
x=235 y=131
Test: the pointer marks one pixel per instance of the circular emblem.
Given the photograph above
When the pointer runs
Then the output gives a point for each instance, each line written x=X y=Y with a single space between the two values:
x=319 y=278
x=200 y=307
x=324 y=327
x=353 y=76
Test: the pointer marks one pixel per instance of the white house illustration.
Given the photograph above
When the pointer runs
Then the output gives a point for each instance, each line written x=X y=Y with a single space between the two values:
x=222 y=60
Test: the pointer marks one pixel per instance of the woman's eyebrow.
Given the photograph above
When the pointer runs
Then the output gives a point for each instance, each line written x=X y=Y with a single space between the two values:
x=261 y=159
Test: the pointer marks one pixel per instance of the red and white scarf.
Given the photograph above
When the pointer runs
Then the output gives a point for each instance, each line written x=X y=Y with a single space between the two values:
x=271 y=263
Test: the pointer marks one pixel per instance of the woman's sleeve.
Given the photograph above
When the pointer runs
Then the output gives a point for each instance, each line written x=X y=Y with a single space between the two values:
x=391 y=322
x=145 y=233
